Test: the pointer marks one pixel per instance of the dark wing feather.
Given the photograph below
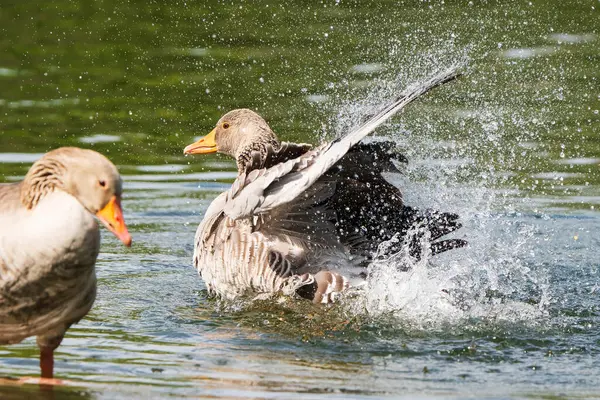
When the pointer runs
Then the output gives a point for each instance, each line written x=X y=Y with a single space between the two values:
x=283 y=182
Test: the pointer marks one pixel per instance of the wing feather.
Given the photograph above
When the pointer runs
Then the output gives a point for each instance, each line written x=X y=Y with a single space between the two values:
x=262 y=191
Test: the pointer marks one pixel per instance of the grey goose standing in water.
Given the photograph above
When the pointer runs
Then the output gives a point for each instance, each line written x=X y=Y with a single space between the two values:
x=49 y=241
x=305 y=221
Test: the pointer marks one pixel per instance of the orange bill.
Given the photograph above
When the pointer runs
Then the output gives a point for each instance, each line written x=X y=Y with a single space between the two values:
x=112 y=217
x=203 y=146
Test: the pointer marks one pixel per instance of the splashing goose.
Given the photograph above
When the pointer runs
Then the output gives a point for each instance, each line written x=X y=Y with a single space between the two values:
x=305 y=221
x=49 y=241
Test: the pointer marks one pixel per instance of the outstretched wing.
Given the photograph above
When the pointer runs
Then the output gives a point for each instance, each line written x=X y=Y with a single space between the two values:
x=263 y=190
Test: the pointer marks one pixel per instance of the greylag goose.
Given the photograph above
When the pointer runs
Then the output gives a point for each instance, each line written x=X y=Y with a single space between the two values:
x=49 y=241
x=306 y=221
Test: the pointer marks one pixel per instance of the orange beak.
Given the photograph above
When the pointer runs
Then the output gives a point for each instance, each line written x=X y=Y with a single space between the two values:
x=203 y=146
x=112 y=217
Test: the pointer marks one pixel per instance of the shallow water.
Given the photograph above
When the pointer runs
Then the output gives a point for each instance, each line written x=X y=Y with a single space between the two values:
x=512 y=147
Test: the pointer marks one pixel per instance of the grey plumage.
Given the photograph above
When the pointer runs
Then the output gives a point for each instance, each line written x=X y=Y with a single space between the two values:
x=286 y=224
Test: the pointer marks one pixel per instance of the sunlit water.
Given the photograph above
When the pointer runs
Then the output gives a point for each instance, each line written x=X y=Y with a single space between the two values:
x=512 y=147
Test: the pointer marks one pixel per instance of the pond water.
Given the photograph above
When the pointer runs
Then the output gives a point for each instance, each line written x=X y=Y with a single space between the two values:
x=513 y=147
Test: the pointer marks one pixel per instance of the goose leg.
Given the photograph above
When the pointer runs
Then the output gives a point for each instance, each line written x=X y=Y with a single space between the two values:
x=47 y=345
x=47 y=362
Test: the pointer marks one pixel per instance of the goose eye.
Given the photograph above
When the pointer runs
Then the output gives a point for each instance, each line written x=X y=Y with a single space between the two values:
x=102 y=182
x=225 y=125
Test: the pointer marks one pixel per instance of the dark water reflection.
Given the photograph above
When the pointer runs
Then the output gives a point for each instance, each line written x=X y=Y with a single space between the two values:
x=513 y=147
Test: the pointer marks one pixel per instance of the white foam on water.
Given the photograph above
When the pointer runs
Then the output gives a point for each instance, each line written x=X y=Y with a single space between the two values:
x=484 y=282
x=42 y=103
x=531 y=52
x=557 y=175
x=196 y=176
x=367 y=68
x=572 y=38
x=8 y=72
x=18 y=158
x=317 y=98
x=197 y=52
x=191 y=51
x=161 y=168
x=578 y=161
x=100 y=138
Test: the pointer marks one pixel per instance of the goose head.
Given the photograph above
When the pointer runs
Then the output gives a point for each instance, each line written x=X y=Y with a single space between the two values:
x=236 y=134
x=86 y=175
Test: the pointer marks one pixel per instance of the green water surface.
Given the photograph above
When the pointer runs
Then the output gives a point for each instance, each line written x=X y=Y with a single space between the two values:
x=513 y=146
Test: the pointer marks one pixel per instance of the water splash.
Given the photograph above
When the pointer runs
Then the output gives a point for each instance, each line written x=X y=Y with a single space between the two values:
x=496 y=280
x=490 y=282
